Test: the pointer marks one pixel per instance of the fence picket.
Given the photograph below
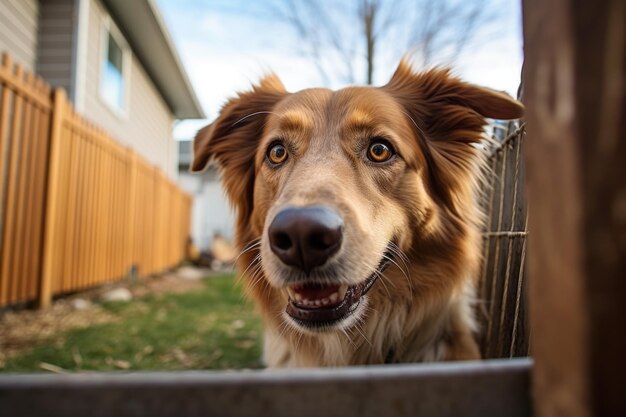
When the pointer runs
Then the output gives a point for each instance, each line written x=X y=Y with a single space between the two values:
x=51 y=231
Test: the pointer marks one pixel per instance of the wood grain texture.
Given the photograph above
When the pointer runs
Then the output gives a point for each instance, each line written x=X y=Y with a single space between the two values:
x=574 y=88
x=67 y=218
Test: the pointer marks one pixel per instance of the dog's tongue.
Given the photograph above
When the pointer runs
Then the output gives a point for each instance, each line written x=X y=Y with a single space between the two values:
x=315 y=291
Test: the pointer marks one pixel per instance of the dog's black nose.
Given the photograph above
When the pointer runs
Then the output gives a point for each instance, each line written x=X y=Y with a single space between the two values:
x=306 y=237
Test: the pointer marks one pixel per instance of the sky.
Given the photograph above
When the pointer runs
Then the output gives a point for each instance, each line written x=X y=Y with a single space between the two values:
x=226 y=45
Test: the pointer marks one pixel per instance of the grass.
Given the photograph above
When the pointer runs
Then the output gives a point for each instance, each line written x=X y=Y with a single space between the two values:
x=211 y=328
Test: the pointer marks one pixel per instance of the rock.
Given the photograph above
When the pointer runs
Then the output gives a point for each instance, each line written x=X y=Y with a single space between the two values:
x=117 y=294
x=118 y=363
x=190 y=273
x=238 y=324
x=80 y=304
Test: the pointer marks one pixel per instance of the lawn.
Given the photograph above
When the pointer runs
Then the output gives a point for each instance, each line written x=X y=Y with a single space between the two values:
x=208 y=328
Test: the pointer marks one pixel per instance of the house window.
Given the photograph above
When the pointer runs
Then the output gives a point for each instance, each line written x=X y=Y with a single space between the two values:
x=114 y=73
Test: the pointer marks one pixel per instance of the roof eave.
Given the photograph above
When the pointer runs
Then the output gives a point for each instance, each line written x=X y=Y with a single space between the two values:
x=145 y=30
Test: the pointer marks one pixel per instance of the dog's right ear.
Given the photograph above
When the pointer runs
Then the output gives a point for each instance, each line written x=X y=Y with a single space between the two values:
x=231 y=140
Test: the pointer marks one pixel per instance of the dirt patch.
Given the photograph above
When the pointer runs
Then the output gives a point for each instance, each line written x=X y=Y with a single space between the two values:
x=174 y=282
x=23 y=329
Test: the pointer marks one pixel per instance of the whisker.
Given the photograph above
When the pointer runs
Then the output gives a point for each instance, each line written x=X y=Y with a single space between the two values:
x=369 y=307
x=396 y=249
x=283 y=328
x=415 y=124
x=257 y=276
x=357 y=326
x=401 y=270
x=379 y=275
x=345 y=332
x=248 y=247
x=253 y=277
x=401 y=256
x=250 y=115
x=385 y=277
x=256 y=258
x=299 y=339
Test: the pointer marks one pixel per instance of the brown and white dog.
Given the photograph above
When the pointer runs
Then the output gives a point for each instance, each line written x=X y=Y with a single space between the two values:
x=357 y=214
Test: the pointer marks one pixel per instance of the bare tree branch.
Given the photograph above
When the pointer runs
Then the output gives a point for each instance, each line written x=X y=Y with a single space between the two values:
x=343 y=38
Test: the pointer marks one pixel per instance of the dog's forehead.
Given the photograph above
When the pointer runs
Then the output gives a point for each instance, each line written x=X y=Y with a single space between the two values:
x=306 y=102
x=351 y=105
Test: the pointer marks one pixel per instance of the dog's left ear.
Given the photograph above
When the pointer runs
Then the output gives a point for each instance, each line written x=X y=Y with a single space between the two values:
x=435 y=88
x=449 y=115
x=231 y=140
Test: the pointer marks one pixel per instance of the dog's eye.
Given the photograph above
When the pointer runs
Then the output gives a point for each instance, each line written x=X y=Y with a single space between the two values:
x=380 y=151
x=277 y=154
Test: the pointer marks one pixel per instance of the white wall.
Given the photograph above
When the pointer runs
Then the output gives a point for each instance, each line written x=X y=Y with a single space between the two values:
x=211 y=212
x=147 y=126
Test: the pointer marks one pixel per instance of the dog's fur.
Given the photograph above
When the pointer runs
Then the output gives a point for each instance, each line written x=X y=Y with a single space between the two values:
x=424 y=201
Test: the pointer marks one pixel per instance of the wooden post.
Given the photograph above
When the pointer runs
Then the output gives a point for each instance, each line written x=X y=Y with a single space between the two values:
x=575 y=80
x=58 y=110
x=5 y=104
x=10 y=230
x=131 y=225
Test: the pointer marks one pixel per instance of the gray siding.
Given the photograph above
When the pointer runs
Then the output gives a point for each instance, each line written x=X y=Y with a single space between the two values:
x=18 y=31
x=56 y=32
x=147 y=126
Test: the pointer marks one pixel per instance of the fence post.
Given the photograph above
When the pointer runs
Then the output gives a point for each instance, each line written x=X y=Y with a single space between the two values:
x=132 y=207
x=574 y=82
x=7 y=66
x=59 y=105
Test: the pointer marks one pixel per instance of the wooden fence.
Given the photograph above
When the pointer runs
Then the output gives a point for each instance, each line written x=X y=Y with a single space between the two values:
x=77 y=209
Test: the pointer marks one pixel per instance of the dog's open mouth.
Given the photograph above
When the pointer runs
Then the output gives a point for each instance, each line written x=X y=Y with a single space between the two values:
x=318 y=305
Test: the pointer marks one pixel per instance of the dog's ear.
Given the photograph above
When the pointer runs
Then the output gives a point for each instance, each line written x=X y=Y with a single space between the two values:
x=438 y=88
x=231 y=140
x=449 y=116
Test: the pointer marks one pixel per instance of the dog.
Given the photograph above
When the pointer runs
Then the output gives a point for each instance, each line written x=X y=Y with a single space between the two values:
x=357 y=214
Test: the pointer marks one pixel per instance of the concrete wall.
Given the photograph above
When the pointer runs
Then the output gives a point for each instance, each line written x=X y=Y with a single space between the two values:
x=19 y=20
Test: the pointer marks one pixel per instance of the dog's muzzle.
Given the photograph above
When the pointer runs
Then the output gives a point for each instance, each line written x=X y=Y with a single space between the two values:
x=306 y=238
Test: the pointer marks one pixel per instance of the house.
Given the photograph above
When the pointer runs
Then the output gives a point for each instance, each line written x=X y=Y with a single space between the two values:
x=116 y=61
x=211 y=214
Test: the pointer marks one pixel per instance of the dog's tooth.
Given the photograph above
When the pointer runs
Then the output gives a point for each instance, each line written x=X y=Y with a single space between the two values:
x=325 y=301
x=342 y=291
x=297 y=297
x=318 y=303
x=333 y=297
